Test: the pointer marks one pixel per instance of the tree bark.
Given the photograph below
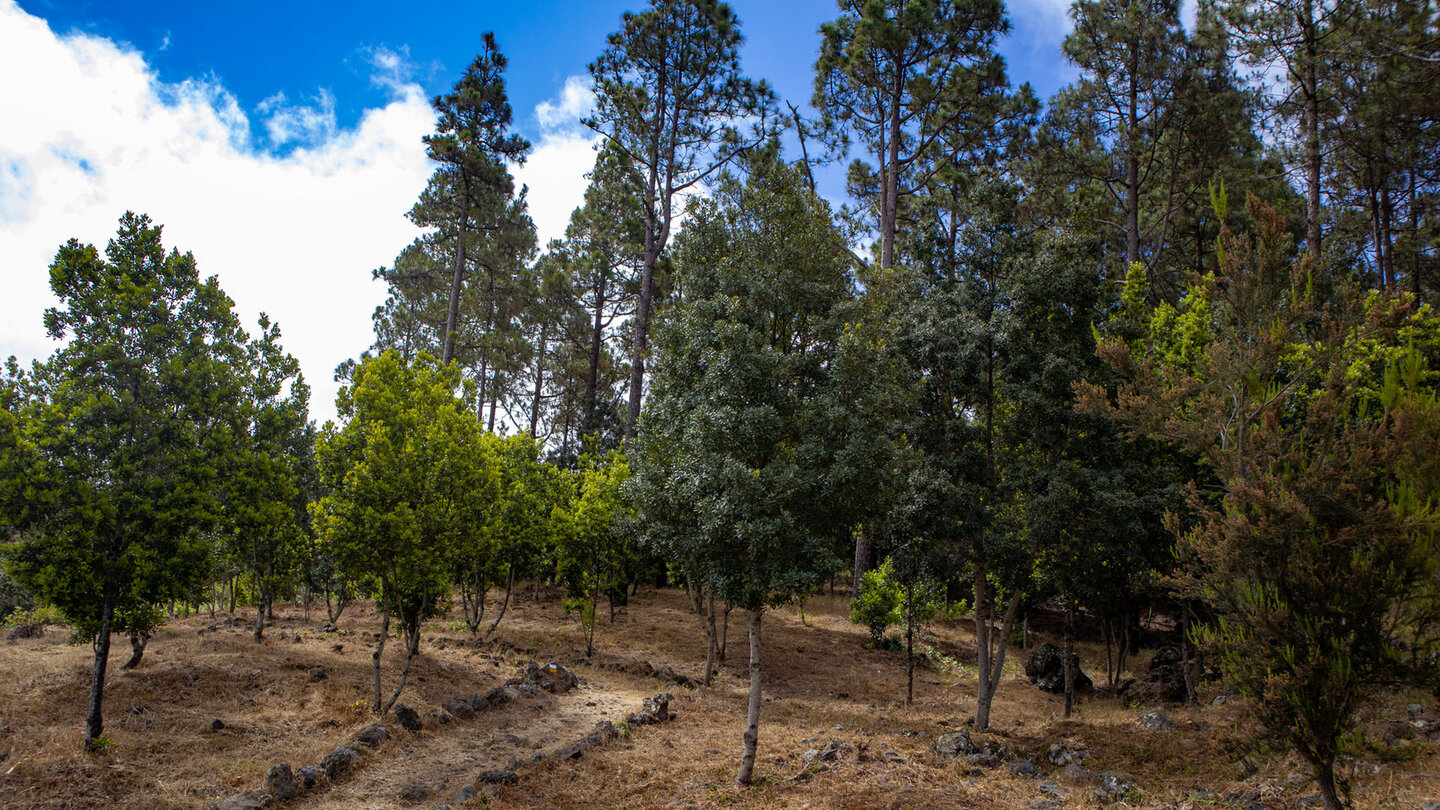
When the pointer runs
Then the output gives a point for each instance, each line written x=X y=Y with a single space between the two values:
x=909 y=643
x=452 y=312
x=509 y=588
x=95 y=722
x=539 y=379
x=375 y=657
x=137 y=649
x=1069 y=660
x=752 y=714
x=1310 y=85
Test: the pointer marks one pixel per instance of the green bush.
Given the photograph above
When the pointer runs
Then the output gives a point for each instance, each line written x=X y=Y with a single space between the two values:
x=878 y=604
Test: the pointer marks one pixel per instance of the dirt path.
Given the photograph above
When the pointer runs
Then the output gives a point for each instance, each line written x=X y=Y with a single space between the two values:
x=445 y=758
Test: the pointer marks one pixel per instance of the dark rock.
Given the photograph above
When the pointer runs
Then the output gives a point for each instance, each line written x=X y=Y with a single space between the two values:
x=1313 y=800
x=570 y=752
x=478 y=703
x=1155 y=721
x=1414 y=711
x=466 y=794
x=1050 y=789
x=500 y=695
x=1075 y=772
x=1025 y=767
x=370 y=736
x=416 y=792
x=441 y=717
x=249 y=800
x=498 y=777
x=955 y=744
x=280 y=782
x=829 y=753
x=217 y=724
x=552 y=678
x=984 y=760
x=658 y=707
x=1115 y=785
x=605 y=730
x=460 y=707
x=338 y=761
x=1066 y=754
x=308 y=775
x=318 y=674
x=408 y=718
x=1046 y=669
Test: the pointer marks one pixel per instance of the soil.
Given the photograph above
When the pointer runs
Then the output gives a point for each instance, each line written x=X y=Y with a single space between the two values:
x=822 y=685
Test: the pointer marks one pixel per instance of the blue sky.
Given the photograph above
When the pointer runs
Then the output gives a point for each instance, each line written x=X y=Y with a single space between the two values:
x=260 y=48
x=280 y=142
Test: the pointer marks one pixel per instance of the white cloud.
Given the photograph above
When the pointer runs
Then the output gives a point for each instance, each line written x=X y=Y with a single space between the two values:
x=285 y=122
x=90 y=131
x=555 y=171
x=576 y=100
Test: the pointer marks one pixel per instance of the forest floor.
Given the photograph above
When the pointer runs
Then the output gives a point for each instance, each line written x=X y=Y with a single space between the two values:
x=304 y=691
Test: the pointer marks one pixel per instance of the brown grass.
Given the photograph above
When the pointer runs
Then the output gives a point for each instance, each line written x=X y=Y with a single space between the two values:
x=821 y=685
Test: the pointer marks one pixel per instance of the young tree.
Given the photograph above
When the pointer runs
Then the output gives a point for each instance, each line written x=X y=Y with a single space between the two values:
x=670 y=97
x=126 y=429
x=750 y=404
x=273 y=477
x=597 y=549
x=1319 y=553
x=408 y=477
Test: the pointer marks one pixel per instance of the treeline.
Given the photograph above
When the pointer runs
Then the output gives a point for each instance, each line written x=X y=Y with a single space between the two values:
x=1160 y=341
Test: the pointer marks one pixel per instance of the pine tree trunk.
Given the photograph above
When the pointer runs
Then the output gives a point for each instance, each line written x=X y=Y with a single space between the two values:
x=984 y=693
x=452 y=312
x=1310 y=85
x=752 y=713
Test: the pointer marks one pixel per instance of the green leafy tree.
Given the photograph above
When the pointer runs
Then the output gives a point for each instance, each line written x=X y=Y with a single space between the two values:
x=749 y=410
x=408 y=476
x=273 y=475
x=598 y=550
x=124 y=434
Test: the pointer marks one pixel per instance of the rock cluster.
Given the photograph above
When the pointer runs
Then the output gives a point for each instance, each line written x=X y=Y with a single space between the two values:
x=283 y=783
x=1046 y=669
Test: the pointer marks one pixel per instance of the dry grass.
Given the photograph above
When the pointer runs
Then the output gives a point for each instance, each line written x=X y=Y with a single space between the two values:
x=822 y=685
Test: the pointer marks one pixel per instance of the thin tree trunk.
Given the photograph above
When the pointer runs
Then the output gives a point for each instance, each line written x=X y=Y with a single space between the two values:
x=997 y=664
x=509 y=588
x=1310 y=82
x=263 y=600
x=412 y=646
x=752 y=713
x=539 y=379
x=1325 y=775
x=95 y=723
x=1069 y=660
x=697 y=600
x=452 y=312
x=909 y=643
x=983 y=689
x=1185 y=649
x=864 y=550
x=725 y=629
x=375 y=658
x=592 y=374
x=1132 y=166
x=137 y=649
